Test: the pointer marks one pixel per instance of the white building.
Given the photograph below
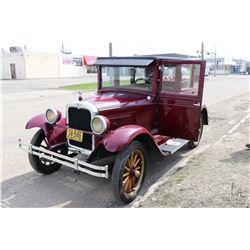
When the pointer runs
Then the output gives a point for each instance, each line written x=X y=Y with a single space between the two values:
x=30 y=65
x=41 y=65
x=228 y=65
x=13 y=66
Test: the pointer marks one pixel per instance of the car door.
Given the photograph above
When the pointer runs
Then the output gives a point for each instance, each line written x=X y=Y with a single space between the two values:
x=180 y=98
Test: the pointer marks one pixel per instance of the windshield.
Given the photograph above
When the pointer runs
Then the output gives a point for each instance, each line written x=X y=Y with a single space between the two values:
x=127 y=77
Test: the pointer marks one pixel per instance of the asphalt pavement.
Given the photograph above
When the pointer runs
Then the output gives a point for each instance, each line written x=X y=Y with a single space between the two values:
x=217 y=173
x=22 y=187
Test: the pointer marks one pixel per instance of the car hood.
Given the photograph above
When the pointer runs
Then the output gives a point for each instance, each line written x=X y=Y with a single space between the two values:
x=114 y=100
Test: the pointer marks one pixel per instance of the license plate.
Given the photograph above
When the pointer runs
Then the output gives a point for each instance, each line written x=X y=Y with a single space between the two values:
x=74 y=134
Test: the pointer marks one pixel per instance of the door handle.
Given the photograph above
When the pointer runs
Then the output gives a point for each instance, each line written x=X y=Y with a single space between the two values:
x=197 y=104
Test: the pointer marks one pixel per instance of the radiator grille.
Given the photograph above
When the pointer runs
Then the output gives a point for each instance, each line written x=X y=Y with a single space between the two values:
x=80 y=119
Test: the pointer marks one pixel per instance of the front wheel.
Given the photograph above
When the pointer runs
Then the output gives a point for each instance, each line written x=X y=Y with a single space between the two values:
x=42 y=165
x=129 y=171
x=194 y=144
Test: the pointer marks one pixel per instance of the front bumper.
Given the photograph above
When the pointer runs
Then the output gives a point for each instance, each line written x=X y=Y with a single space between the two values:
x=76 y=164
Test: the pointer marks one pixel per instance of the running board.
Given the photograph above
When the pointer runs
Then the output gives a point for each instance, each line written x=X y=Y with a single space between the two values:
x=172 y=145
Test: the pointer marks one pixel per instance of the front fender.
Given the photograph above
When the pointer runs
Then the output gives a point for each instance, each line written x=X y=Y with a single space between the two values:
x=55 y=134
x=39 y=121
x=118 y=139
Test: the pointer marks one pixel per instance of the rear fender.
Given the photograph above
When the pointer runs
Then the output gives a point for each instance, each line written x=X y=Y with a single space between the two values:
x=118 y=139
x=204 y=113
x=55 y=134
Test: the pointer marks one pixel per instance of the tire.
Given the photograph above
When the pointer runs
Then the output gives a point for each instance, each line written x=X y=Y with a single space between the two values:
x=194 y=144
x=129 y=171
x=40 y=165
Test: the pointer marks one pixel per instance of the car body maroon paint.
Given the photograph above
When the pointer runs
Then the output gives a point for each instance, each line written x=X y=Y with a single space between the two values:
x=123 y=108
x=56 y=134
x=119 y=138
x=39 y=121
x=142 y=104
x=172 y=114
x=181 y=109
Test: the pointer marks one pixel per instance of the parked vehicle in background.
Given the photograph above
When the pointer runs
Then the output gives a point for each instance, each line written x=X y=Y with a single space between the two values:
x=243 y=69
x=143 y=106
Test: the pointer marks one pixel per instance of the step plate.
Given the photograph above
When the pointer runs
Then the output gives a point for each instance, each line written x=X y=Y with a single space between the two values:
x=172 y=145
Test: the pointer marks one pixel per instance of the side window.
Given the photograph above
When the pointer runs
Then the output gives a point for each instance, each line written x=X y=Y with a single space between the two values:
x=181 y=78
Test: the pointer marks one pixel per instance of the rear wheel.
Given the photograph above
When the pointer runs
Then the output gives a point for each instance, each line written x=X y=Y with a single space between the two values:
x=194 y=144
x=42 y=165
x=129 y=171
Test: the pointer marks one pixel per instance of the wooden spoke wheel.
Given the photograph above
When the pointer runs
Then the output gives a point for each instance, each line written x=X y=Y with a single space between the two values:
x=129 y=172
x=133 y=171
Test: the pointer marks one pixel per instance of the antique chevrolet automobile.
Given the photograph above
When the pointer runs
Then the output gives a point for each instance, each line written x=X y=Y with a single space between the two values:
x=143 y=106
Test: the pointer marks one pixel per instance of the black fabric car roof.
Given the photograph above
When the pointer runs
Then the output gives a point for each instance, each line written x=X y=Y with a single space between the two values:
x=123 y=61
x=137 y=60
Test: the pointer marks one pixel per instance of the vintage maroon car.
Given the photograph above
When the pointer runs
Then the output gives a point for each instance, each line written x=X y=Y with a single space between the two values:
x=143 y=105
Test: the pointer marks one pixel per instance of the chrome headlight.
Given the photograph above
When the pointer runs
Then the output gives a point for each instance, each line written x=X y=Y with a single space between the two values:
x=52 y=115
x=99 y=124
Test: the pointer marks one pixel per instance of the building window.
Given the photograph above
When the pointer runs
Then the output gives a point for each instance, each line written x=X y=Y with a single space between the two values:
x=91 y=69
x=77 y=61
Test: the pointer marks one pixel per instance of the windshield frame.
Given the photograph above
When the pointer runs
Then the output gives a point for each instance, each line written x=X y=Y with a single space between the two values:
x=151 y=91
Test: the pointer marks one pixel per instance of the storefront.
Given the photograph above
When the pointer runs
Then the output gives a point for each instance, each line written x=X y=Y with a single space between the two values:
x=76 y=65
x=89 y=61
x=31 y=65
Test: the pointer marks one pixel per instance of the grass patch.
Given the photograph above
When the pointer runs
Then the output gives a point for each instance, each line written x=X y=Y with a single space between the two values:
x=93 y=85
x=81 y=86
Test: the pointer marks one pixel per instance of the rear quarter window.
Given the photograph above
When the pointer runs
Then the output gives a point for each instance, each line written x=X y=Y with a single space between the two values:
x=181 y=78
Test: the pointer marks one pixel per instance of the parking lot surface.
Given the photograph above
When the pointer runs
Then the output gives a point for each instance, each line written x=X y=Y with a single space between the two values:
x=22 y=187
x=217 y=173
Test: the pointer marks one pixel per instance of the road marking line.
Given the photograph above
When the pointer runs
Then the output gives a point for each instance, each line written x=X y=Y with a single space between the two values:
x=232 y=130
x=238 y=124
x=60 y=205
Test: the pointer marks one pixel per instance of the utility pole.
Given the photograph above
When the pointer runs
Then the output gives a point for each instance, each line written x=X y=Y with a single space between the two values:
x=202 y=51
x=110 y=50
x=215 y=62
x=208 y=53
x=109 y=69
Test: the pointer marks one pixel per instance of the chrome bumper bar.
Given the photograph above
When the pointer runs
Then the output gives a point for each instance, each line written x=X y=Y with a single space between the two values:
x=78 y=165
